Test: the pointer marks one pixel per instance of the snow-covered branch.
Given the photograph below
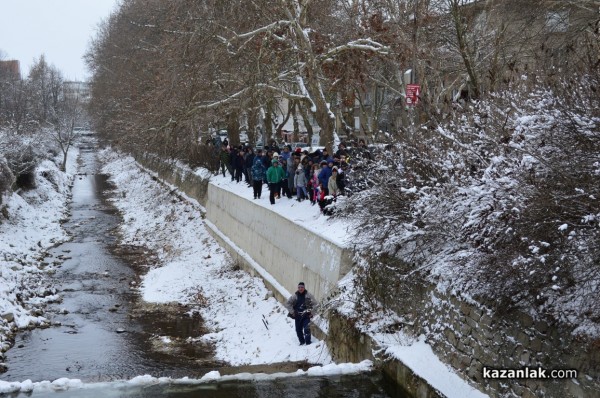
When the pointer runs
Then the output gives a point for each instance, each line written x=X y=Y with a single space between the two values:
x=448 y=136
x=360 y=44
x=268 y=28
x=241 y=93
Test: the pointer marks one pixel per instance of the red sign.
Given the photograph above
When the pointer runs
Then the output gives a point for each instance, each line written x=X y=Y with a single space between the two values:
x=412 y=94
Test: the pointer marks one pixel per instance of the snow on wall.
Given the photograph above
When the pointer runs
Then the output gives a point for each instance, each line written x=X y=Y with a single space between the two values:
x=286 y=250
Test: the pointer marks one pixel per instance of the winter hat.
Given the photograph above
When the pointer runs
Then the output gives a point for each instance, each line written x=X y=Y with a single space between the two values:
x=274 y=161
x=298 y=150
x=301 y=284
x=275 y=154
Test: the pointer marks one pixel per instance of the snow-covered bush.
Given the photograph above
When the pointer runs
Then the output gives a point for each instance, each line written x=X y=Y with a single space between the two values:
x=499 y=202
x=6 y=178
x=202 y=155
x=23 y=152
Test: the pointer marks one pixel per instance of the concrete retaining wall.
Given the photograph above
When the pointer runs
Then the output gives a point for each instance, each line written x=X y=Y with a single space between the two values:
x=287 y=251
x=347 y=344
x=193 y=185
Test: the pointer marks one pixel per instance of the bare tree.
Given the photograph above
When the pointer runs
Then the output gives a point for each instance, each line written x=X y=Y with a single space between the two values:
x=296 y=37
x=13 y=99
x=44 y=85
x=67 y=113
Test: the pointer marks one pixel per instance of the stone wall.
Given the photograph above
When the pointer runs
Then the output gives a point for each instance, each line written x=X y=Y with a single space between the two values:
x=469 y=336
x=347 y=344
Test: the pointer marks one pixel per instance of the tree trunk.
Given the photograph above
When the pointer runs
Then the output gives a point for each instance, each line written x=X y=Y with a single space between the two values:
x=326 y=123
x=233 y=128
x=285 y=119
x=252 y=113
x=63 y=167
x=295 y=120
x=268 y=122
x=309 y=129
x=463 y=46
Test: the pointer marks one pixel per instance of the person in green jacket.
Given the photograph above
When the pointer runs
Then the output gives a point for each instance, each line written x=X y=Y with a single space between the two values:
x=275 y=175
x=224 y=160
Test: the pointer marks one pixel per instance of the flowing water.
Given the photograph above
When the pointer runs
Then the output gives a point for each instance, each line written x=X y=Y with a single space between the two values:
x=103 y=332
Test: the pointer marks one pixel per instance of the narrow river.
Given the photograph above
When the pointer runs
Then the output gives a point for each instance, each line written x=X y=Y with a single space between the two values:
x=103 y=332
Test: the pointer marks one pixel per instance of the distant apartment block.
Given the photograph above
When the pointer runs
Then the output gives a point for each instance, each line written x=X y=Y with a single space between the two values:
x=79 y=90
x=10 y=70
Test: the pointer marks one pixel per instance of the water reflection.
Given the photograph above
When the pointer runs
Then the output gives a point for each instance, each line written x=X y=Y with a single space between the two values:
x=371 y=385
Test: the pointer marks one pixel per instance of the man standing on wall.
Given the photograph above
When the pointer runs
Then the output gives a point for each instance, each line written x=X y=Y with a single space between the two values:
x=300 y=306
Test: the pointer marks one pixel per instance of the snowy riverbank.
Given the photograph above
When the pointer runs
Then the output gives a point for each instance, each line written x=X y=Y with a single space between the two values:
x=414 y=352
x=248 y=326
x=29 y=225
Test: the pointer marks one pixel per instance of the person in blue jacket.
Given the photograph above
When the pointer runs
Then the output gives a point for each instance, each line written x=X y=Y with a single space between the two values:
x=324 y=175
x=258 y=174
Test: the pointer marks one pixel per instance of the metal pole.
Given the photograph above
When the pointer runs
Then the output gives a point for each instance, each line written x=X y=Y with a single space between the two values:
x=415 y=42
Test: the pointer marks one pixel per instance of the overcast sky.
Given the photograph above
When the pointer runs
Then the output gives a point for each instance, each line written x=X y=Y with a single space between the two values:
x=59 y=29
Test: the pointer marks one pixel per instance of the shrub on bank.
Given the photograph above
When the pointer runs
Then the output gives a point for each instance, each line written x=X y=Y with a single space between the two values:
x=499 y=202
x=22 y=154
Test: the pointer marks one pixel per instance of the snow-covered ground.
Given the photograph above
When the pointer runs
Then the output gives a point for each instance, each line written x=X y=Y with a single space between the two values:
x=248 y=326
x=211 y=377
x=239 y=297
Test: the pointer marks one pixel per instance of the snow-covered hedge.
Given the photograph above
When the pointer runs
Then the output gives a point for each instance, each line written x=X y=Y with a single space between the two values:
x=499 y=202
x=29 y=225
x=23 y=152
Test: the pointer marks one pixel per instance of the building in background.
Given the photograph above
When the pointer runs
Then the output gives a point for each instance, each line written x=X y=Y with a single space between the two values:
x=80 y=90
x=78 y=94
x=10 y=70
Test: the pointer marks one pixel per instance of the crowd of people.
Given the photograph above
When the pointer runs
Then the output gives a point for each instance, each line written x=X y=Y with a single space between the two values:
x=319 y=177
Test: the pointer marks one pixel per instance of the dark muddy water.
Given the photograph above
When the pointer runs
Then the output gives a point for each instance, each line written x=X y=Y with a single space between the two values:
x=357 y=386
x=102 y=332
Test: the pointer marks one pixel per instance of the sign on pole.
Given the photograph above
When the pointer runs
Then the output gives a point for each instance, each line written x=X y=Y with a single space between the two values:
x=412 y=94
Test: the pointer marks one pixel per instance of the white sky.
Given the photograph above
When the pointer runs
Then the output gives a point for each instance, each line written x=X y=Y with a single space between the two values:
x=59 y=29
